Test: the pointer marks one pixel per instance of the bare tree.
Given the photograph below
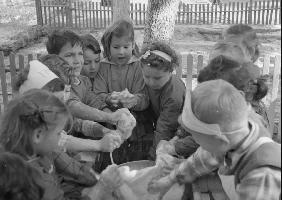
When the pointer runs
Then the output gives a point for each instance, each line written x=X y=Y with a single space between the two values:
x=121 y=9
x=161 y=15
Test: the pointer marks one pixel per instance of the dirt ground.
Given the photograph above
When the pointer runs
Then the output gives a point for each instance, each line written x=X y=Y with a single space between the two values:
x=189 y=38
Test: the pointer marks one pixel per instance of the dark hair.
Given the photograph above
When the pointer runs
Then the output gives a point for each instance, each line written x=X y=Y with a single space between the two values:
x=248 y=37
x=239 y=75
x=18 y=179
x=238 y=29
x=35 y=108
x=59 y=38
x=159 y=62
x=56 y=85
x=118 y=29
x=89 y=41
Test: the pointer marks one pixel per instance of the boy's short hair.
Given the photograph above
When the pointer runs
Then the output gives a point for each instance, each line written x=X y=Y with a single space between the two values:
x=159 y=62
x=217 y=102
x=118 y=29
x=59 y=38
x=89 y=41
x=241 y=76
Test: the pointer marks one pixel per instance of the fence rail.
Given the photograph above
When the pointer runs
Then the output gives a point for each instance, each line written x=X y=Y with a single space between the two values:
x=86 y=14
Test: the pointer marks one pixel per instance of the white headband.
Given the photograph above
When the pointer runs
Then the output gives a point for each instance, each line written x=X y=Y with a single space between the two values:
x=39 y=75
x=159 y=53
x=191 y=122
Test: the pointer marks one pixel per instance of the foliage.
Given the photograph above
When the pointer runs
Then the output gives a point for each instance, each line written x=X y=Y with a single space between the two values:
x=18 y=14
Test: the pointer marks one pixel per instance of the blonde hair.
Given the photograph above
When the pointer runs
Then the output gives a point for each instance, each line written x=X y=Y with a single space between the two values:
x=218 y=102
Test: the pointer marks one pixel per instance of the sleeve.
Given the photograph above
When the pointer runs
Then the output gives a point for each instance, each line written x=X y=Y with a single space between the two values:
x=260 y=184
x=91 y=98
x=100 y=84
x=74 y=170
x=185 y=146
x=200 y=163
x=88 y=128
x=139 y=90
x=167 y=122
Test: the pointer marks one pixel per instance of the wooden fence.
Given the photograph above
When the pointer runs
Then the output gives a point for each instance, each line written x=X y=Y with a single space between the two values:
x=86 y=14
x=190 y=66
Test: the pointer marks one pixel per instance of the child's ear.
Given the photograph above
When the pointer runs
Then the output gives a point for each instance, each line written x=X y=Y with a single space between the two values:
x=38 y=135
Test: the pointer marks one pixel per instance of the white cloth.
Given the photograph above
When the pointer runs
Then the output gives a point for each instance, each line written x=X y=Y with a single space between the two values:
x=38 y=76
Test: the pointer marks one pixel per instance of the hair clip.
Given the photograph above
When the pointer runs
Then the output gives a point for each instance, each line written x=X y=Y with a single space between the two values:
x=146 y=54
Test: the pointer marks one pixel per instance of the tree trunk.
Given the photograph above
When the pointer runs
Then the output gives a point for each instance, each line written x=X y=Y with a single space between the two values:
x=161 y=15
x=121 y=9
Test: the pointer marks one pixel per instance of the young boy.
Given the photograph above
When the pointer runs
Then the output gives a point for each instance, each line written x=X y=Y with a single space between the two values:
x=216 y=114
x=83 y=103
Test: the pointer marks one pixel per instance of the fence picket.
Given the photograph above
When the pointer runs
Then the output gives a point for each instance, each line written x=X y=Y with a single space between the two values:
x=189 y=77
x=211 y=13
x=266 y=62
x=12 y=59
x=21 y=62
x=276 y=77
x=263 y=12
x=259 y=12
x=271 y=12
x=200 y=63
x=3 y=79
x=267 y=13
x=229 y=13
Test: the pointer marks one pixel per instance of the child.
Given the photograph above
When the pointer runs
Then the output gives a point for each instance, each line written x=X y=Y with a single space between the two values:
x=92 y=57
x=121 y=69
x=18 y=180
x=33 y=77
x=166 y=91
x=244 y=76
x=32 y=127
x=120 y=83
x=246 y=36
x=240 y=43
x=83 y=103
x=216 y=114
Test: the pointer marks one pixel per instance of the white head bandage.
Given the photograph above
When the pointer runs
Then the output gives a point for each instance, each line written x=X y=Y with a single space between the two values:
x=191 y=122
x=158 y=53
x=38 y=76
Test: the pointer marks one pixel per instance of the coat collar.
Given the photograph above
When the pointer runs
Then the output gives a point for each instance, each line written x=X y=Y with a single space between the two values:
x=133 y=59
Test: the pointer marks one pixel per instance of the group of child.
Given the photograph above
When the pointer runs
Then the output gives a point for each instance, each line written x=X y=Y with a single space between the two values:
x=125 y=106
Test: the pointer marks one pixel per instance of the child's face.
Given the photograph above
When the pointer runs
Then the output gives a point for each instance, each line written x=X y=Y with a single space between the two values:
x=47 y=140
x=155 y=78
x=74 y=56
x=91 y=62
x=121 y=50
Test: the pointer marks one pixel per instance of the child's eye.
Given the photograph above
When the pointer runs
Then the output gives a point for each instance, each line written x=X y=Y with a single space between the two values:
x=86 y=63
x=68 y=55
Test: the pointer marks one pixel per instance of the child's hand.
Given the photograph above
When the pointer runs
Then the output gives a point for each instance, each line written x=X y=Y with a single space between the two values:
x=111 y=178
x=129 y=102
x=110 y=142
x=161 y=186
x=113 y=99
x=127 y=99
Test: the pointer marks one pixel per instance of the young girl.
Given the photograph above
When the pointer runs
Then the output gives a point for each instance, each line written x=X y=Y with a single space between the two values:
x=92 y=57
x=32 y=126
x=120 y=83
x=165 y=90
x=18 y=179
